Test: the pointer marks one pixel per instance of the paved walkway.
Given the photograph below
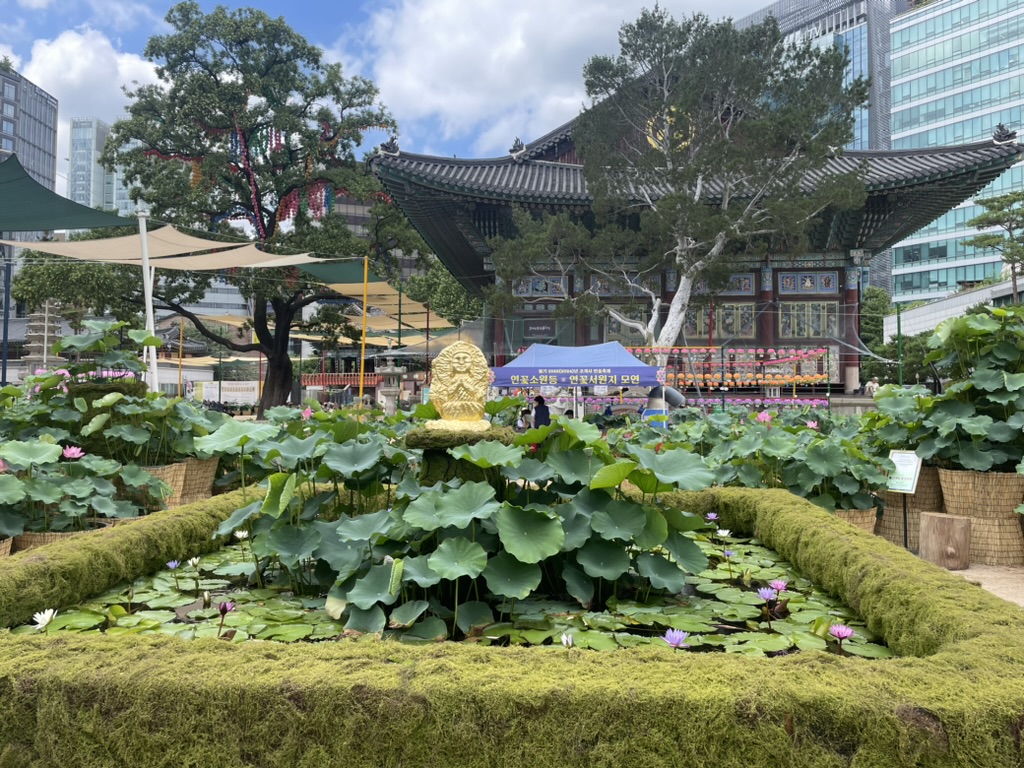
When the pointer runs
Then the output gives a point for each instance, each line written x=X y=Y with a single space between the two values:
x=1005 y=581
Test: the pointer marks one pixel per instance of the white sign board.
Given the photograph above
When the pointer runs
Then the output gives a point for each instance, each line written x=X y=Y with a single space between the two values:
x=908 y=469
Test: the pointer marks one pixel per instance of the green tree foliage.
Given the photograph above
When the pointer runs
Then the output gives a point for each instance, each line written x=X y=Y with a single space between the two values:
x=445 y=295
x=1004 y=215
x=875 y=304
x=692 y=112
x=248 y=122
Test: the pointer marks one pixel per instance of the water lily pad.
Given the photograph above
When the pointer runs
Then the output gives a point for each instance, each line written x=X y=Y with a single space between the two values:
x=867 y=650
x=288 y=633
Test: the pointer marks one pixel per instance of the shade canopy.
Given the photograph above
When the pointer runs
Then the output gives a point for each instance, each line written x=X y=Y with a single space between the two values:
x=545 y=365
x=28 y=206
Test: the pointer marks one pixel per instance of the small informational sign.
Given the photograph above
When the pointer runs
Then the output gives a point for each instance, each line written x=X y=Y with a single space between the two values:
x=903 y=479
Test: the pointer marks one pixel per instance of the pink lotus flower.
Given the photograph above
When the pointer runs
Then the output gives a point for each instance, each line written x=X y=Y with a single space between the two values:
x=3 y=466
x=73 y=452
x=812 y=425
x=764 y=417
x=306 y=414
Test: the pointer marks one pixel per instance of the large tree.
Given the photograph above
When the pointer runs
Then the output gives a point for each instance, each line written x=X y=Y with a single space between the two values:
x=702 y=137
x=1004 y=217
x=248 y=123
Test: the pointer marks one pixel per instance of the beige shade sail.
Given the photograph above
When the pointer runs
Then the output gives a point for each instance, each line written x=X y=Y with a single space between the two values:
x=166 y=241
x=208 y=360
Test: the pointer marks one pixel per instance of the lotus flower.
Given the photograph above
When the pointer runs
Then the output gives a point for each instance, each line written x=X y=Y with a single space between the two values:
x=676 y=638
x=764 y=417
x=306 y=414
x=73 y=452
x=812 y=425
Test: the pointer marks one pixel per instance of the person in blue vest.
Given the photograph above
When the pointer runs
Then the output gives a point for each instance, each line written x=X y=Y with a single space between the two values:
x=541 y=414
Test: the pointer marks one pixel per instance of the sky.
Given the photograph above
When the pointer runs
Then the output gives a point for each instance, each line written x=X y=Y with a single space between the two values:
x=461 y=77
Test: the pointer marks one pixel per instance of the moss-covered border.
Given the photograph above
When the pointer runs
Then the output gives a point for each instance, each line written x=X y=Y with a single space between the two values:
x=956 y=698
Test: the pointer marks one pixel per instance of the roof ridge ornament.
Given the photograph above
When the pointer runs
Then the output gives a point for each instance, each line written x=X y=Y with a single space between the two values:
x=390 y=147
x=518 y=150
x=1003 y=135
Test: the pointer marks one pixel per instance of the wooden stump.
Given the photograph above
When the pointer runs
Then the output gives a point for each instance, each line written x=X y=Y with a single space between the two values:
x=946 y=540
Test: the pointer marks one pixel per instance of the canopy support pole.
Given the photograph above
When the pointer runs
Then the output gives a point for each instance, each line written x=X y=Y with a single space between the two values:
x=362 y=353
x=7 y=310
x=152 y=376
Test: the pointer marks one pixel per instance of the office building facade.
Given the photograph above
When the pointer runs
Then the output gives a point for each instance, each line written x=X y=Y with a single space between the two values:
x=89 y=183
x=957 y=73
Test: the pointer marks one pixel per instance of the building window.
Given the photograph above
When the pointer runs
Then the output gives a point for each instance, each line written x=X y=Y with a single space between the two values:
x=732 y=321
x=10 y=91
x=7 y=127
x=7 y=145
x=808 y=319
x=8 y=109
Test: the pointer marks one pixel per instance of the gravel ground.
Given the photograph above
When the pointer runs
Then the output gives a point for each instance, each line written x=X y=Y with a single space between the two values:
x=1005 y=581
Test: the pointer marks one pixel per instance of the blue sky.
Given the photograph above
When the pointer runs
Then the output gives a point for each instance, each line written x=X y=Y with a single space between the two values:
x=462 y=77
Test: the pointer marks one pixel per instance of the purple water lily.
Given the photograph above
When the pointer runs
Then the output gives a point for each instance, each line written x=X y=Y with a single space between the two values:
x=676 y=638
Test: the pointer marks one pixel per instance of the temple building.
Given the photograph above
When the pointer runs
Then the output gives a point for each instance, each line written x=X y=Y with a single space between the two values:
x=806 y=300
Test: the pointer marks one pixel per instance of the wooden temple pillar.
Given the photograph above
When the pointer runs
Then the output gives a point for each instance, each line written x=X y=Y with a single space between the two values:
x=849 y=357
x=767 y=319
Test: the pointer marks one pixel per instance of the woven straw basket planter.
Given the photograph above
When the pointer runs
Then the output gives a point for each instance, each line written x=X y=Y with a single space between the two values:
x=927 y=498
x=33 y=539
x=989 y=499
x=5 y=546
x=864 y=519
x=174 y=476
x=199 y=477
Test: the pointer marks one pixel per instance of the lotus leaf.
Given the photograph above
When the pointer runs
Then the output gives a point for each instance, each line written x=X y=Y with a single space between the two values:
x=454 y=508
x=575 y=466
x=507 y=576
x=12 y=490
x=291 y=544
x=488 y=453
x=405 y=615
x=419 y=572
x=473 y=617
x=529 y=535
x=27 y=455
x=365 y=528
x=662 y=573
x=369 y=621
x=344 y=557
x=603 y=559
x=686 y=553
x=353 y=458
x=234 y=435
x=289 y=451
x=655 y=529
x=620 y=520
x=456 y=557
x=279 y=493
x=430 y=630
x=531 y=470
x=612 y=475
x=373 y=588
x=679 y=467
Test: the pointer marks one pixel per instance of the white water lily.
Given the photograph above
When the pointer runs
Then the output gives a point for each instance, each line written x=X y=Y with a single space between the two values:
x=194 y=562
x=241 y=535
x=724 y=532
x=43 y=618
x=567 y=640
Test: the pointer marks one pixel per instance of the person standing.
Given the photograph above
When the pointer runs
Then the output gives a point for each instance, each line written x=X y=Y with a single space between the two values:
x=541 y=414
x=871 y=387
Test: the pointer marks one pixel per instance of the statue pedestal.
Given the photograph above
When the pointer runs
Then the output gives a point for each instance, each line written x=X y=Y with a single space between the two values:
x=439 y=465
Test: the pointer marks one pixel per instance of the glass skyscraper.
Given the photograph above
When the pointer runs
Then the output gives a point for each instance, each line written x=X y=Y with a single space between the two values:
x=89 y=183
x=862 y=28
x=957 y=72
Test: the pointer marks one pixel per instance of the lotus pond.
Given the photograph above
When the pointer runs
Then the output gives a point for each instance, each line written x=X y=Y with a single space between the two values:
x=746 y=601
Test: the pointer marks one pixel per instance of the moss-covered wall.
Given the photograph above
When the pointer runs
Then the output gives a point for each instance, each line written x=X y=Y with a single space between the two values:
x=956 y=698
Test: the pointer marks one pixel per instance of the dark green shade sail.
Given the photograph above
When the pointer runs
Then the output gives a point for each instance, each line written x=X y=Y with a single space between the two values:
x=28 y=206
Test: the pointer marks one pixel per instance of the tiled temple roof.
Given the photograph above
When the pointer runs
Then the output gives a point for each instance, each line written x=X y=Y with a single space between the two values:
x=907 y=189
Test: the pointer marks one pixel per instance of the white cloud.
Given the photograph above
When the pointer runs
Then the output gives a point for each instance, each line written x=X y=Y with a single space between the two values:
x=35 y=5
x=489 y=71
x=84 y=71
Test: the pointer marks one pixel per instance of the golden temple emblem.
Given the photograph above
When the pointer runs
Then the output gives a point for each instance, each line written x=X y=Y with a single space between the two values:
x=460 y=379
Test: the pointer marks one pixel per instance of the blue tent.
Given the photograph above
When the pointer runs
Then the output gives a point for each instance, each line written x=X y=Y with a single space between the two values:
x=543 y=365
